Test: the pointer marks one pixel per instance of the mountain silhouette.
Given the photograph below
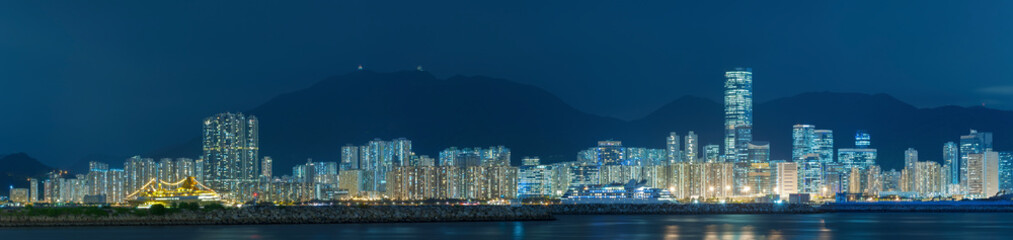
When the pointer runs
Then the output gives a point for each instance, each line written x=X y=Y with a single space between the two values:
x=467 y=111
x=18 y=167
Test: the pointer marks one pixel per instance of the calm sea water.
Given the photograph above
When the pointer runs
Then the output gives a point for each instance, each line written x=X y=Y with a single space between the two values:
x=815 y=226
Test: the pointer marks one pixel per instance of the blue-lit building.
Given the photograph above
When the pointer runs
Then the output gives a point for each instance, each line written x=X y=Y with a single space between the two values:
x=673 y=148
x=609 y=153
x=973 y=143
x=534 y=180
x=951 y=159
x=738 y=113
x=1006 y=171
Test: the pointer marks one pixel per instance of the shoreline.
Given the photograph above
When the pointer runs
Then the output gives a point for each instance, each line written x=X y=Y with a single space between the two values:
x=294 y=215
x=434 y=214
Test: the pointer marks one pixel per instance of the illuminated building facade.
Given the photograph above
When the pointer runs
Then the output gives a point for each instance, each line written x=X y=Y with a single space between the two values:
x=1006 y=171
x=609 y=153
x=738 y=112
x=673 y=148
x=231 y=147
x=692 y=150
x=973 y=143
x=982 y=174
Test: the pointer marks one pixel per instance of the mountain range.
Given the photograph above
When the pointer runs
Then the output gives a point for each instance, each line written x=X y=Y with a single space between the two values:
x=479 y=111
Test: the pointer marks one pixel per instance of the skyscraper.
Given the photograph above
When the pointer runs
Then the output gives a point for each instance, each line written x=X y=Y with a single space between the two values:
x=402 y=152
x=862 y=156
x=712 y=153
x=349 y=157
x=1006 y=171
x=951 y=158
x=692 y=151
x=862 y=139
x=910 y=166
x=738 y=112
x=674 y=151
x=982 y=174
x=759 y=152
x=231 y=148
x=824 y=145
x=803 y=141
x=609 y=152
x=267 y=167
x=973 y=143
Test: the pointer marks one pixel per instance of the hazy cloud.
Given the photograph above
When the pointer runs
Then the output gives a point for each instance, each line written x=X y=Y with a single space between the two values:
x=998 y=90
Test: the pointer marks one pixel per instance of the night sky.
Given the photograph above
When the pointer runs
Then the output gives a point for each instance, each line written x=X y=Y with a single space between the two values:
x=128 y=77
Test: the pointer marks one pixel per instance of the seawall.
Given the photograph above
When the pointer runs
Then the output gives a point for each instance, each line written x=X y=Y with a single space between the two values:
x=293 y=215
x=674 y=209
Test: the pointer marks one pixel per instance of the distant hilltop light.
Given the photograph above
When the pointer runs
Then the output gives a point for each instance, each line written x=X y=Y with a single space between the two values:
x=359 y=68
x=419 y=68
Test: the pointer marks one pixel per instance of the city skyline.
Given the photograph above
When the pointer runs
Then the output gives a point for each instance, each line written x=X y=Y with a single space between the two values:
x=594 y=119
x=391 y=170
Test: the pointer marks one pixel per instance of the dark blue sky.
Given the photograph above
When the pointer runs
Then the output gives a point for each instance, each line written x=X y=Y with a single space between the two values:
x=127 y=77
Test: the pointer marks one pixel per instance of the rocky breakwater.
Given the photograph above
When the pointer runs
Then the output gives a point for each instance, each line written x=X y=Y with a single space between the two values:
x=730 y=208
x=283 y=215
x=939 y=206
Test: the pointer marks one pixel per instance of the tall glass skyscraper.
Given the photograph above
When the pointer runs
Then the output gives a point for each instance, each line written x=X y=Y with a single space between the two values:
x=803 y=141
x=824 y=145
x=738 y=113
x=231 y=145
x=951 y=158
x=972 y=143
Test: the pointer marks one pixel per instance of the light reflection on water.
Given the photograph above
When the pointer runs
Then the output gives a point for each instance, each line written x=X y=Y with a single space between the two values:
x=814 y=226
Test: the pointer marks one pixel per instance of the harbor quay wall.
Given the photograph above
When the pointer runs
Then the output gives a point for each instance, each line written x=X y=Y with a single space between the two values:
x=670 y=209
x=293 y=215
x=438 y=213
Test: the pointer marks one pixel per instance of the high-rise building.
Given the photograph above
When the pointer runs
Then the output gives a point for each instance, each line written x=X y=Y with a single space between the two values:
x=951 y=158
x=349 y=157
x=609 y=152
x=692 y=150
x=824 y=145
x=674 y=150
x=535 y=180
x=738 y=112
x=759 y=152
x=33 y=190
x=910 y=164
x=862 y=139
x=231 y=148
x=860 y=158
x=712 y=153
x=267 y=167
x=402 y=152
x=982 y=174
x=1006 y=171
x=424 y=161
x=973 y=143
x=465 y=157
x=166 y=170
x=786 y=178
x=803 y=141
x=530 y=161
